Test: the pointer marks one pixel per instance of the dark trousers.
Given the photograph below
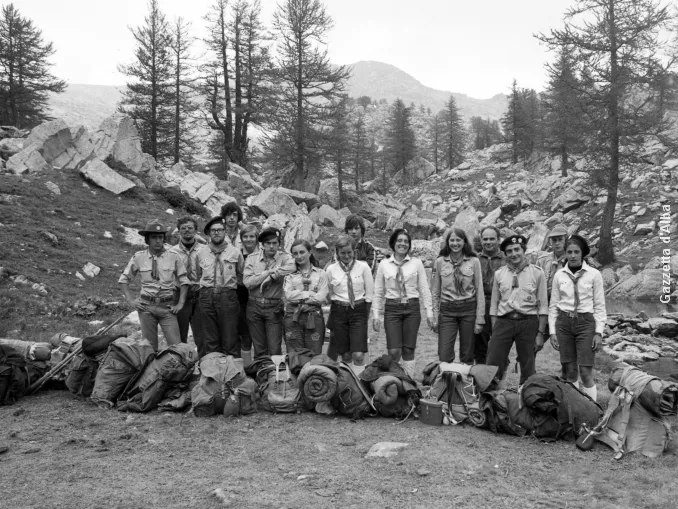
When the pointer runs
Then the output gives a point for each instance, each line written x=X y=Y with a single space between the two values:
x=349 y=327
x=219 y=314
x=505 y=333
x=265 y=324
x=298 y=336
x=243 y=328
x=455 y=318
x=190 y=315
x=483 y=339
x=401 y=324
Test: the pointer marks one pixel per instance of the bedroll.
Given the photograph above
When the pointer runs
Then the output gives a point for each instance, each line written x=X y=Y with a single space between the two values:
x=125 y=358
x=169 y=368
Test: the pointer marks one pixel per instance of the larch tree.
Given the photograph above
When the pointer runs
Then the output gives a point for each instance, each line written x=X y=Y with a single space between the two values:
x=400 y=140
x=616 y=51
x=25 y=77
x=148 y=97
x=306 y=87
x=359 y=148
x=435 y=136
x=337 y=140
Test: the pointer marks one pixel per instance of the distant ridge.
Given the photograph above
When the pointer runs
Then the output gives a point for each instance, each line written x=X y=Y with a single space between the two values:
x=385 y=81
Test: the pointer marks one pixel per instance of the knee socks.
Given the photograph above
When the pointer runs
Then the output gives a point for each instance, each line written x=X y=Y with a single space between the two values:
x=408 y=366
x=592 y=392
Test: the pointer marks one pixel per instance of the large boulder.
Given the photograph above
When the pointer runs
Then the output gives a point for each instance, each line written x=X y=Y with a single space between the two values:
x=29 y=160
x=55 y=142
x=216 y=201
x=97 y=172
x=491 y=217
x=419 y=169
x=299 y=197
x=241 y=182
x=537 y=240
x=272 y=201
x=421 y=224
x=664 y=326
x=569 y=200
x=467 y=220
x=117 y=142
x=327 y=216
x=11 y=146
x=645 y=228
x=510 y=205
x=199 y=186
x=376 y=205
x=641 y=286
x=527 y=218
x=538 y=189
x=427 y=250
x=328 y=192
x=300 y=227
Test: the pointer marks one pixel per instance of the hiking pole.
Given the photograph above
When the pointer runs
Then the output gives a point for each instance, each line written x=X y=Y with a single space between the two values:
x=59 y=367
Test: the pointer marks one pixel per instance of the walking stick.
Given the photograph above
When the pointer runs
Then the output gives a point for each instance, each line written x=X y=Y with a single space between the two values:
x=59 y=367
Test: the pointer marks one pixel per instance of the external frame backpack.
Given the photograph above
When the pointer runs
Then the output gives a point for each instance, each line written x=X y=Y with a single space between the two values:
x=278 y=388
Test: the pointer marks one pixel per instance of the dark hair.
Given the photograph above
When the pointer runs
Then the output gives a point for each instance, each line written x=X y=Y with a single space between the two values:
x=394 y=236
x=344 y=241
x=355 y=220
x=493 y=228
x=187 y=219
x=307 y=245
x=229 y=208
x=466 y=250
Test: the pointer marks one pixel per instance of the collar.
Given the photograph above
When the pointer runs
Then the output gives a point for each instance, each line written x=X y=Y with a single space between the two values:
x=464 y=258
x=185 y=249
x=262 y=255
x=584 y=267
x=406 y=259
x=148 y=250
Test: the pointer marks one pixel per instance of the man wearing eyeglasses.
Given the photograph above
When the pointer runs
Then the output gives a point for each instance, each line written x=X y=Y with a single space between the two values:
x=187 y=249
x=220 y=267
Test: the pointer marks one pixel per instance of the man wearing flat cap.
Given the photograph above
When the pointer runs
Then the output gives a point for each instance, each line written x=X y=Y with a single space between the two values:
x=265 y=272
x=220 y=267
x=552 y=261
x=518 y=309
x=159 y=269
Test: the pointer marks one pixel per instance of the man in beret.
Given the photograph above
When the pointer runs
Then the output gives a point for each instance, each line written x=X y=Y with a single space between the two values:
x=518 y=309
x=220 y=267
x=159 y=269
x=264 y=276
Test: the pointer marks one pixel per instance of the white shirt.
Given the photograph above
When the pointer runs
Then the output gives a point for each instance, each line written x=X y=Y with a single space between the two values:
x=361 y=275
x=591 y=296
x=416 y=284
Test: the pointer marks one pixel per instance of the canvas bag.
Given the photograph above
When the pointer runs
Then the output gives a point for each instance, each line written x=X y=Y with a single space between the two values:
x=219 y=373
x=351 y=398
x=279 y=391
x=13 y=375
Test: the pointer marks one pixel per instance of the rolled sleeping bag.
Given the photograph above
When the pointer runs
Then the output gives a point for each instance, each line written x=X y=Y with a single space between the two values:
x=386 y=389
x=318 y=383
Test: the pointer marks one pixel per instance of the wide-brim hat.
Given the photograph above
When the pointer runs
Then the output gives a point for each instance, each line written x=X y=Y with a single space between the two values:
x=215 y=219
x=513 y=240
x=154 y=226
x=268 y=234
x=559 y=230
x=585 y=249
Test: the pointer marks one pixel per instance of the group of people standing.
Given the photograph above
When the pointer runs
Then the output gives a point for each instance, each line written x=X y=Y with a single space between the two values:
x=240 y=292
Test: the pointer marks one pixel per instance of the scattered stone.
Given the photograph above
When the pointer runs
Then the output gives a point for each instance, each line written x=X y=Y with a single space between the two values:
x=107 y=235
x=51 y=237
x=385 y=449
x=423 y=472
x=54 y=189
x=91 y=270
x=79 y=276
x=272 y=201
x=664 y=326
x=527 y=218
x=509 y=206
x=170 y=212
x=645 y=229
x=105 y=177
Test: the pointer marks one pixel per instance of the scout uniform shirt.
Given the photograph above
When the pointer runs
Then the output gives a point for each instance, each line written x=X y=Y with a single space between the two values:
x=256 y=266
x=548 y=262
x=528 y=298
x=416 y=284
x=158 y=273
x=361 y=277
x=444 y=288
x=235 y=240
x=590 y=295
x=189 y=257
x=298 y=289
x=489 y=264
x=220 y=270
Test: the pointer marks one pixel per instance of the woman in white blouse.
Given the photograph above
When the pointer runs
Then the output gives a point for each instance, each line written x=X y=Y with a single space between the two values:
x=577 y=315
x=350 y=288
x=399 y=286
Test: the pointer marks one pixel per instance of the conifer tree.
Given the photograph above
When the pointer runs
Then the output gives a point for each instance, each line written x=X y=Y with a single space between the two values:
x=338 y=142
x=453 y=134
x=400 y=139
x=25 y=76
x=359 y=147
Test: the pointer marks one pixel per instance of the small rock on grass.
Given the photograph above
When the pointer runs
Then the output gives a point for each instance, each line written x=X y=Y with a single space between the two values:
x=222 y=496
x=385 y=449
x=423 y=472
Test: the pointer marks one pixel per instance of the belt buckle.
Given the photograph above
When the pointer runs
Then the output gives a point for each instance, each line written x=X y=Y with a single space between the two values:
x=404 y=301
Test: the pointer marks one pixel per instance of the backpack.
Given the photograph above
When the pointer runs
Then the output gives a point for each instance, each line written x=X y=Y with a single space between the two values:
x=82 y=372
x=242 y=401
x=557 y=407
x=170 y=367
x=219 y=374
x=13 y=375
x=503 y=413
x=124 y=359
x=458 y=393
x=351 y=398
x=278 y=389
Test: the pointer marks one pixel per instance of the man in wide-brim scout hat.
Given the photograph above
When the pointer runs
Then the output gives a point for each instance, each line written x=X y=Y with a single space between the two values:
x=518 y=309
x=159 y=269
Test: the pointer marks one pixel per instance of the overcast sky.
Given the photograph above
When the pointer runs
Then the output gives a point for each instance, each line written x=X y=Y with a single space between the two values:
x=474 y=47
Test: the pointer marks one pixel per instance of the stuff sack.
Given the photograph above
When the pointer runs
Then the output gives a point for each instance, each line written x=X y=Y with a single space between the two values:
x=557 y=408
x=503 y=413
x=219 y=374
x=13 y=375
x=82 y=372
x=278 y=389
x=351 y=398
x=242 y=400
x=170 y=367
x=125 y=358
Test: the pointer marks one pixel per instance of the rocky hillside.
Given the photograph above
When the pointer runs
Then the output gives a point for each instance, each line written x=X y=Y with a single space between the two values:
x=384 y=81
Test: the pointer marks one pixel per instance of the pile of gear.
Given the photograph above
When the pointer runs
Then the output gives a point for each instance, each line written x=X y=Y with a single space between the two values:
x=127 y=374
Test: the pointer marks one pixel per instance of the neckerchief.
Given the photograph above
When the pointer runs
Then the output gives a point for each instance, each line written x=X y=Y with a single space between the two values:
x=349 y=284
x=218 y=266
x=154 y=267
x=189 y=268
x=234 y=236
x=516 y=270
x=578 y=273
x=400 y=277
x=558 y=263
x=458 y=276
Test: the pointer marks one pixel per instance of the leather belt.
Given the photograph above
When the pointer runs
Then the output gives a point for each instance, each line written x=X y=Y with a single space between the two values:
x=572 y=314
x=402 y=301
x=514 y=315
x=262 y=300
x=347 y=304
x=157 y=300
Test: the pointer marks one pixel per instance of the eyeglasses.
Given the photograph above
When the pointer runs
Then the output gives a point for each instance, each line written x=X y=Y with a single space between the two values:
x=217 y=230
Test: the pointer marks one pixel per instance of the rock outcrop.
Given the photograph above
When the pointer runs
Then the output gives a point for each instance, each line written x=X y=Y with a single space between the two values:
x=99 y=173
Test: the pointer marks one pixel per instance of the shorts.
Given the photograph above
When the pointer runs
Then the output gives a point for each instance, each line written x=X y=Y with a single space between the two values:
x=575 y=338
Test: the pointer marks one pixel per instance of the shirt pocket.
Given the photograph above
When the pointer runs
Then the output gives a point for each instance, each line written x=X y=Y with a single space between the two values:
x=528 y=294
x=145 y=274
x=505 y=290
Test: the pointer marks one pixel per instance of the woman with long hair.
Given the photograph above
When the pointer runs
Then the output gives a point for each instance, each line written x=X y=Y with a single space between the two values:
x=304 y=292
x=577 y=315
x=399 y=287
x=351 y=288
x=458 y=297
